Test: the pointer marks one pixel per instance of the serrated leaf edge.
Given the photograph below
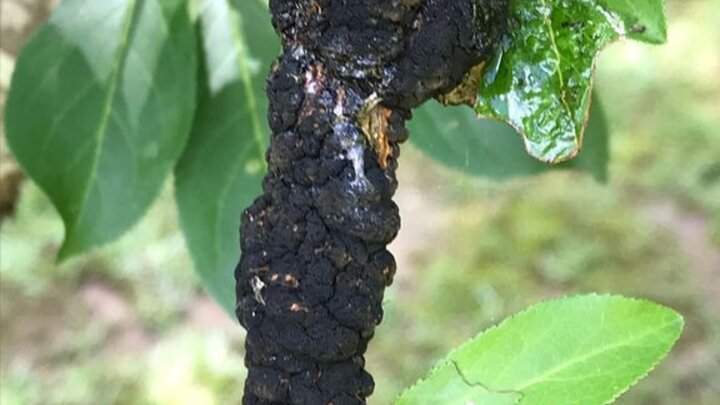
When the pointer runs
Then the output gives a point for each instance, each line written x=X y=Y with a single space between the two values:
x=579 y=134
x=449 y=357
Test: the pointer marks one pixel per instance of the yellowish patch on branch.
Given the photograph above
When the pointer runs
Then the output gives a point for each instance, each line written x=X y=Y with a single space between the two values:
x=373 y=120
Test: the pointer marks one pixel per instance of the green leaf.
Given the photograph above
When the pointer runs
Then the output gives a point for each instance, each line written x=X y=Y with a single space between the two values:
x=584 y=350
x=642 y=20
x=447 y=386
x=221 y=169
x=456 y=138
x=540 y=80
x=100 y=108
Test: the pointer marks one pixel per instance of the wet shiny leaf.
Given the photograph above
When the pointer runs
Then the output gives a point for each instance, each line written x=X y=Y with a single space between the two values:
x=540 y=80
x=642 y=20
x=488 y=148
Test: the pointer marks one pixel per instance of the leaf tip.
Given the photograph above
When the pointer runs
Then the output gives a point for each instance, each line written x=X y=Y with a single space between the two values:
x=67 y=250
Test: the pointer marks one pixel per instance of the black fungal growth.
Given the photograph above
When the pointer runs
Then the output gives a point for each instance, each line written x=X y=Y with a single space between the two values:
x=314 y=262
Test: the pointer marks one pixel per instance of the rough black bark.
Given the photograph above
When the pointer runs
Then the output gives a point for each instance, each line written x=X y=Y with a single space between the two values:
x=314 y=262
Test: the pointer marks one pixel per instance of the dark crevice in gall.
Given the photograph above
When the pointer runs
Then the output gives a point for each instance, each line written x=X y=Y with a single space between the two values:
x=314 y=262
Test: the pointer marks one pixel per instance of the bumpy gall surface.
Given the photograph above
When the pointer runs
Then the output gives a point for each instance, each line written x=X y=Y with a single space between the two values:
x=314 y=262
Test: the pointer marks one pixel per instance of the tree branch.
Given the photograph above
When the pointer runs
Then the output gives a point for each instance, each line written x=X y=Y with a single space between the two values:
x=314 y=266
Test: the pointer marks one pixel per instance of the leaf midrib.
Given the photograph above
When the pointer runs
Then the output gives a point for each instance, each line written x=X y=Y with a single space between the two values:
x=101 y=132
x=246 y=79
x=547 y=21
x=593 y=353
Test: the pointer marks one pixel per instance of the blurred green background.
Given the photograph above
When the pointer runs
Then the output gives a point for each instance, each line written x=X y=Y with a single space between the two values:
x=130 y=324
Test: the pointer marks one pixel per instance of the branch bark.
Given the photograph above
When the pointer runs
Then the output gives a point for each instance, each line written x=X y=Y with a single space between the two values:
x=314 y=262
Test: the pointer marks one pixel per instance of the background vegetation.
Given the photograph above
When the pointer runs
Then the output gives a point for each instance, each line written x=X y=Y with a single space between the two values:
x=129 y=324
